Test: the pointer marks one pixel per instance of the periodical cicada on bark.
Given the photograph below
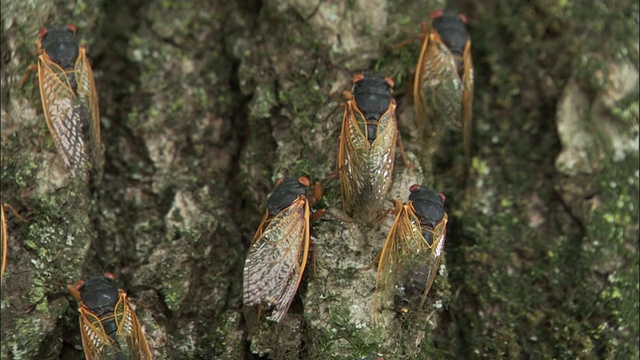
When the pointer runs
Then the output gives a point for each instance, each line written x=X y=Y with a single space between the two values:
x=278 y=254
x=109 y=327
x=411 y=255
x=367 y=148
x=443 y=82
x=69 y=99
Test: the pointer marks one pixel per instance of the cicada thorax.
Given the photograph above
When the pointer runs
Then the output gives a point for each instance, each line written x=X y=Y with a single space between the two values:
x=443 y=83
x=69 y=99
x=60 y=45
x=278 y=254
x=412 y=253
x=367 y=146
x=109 y=327
x=453 y=33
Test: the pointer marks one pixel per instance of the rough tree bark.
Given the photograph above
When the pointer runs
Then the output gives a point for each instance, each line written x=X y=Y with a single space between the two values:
x=204 y=105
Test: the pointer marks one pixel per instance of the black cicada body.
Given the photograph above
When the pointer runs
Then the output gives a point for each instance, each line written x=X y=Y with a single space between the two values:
x=69 y=99
x=367 y=146
x=413 y=250
x=109 y=327
x=443 y=82
x=278 y=254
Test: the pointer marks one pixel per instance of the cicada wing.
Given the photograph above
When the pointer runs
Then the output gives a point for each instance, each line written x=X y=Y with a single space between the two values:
x=89 y=98
x=5 y=240
x=434 y=257
x=420 y=109
x=401 y=244
x=276 y=261
x=389 y=261
x=261 y=228
x=467 y=97
x=382 y=157
x=130 y=334
x=441 y=88
x=64 y=114
x=352 y=157
x=95 y=341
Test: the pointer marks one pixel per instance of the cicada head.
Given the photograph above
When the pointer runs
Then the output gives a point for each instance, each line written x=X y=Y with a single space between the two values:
x=98 y=293
x=372 y=93
x=452 y=30
x=428 y=205
x=286 y=192
x=60 y=43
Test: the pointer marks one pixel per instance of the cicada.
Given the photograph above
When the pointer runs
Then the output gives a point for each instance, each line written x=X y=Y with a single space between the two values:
x=367 y=146
x=69 y=99
x=278 y=254
x=109 y=327
x=443 y=82
x=411 y=255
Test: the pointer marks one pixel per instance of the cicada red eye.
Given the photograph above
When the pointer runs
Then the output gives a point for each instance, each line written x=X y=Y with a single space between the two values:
x=72 y=27
x=436 y=14
x=389 y=82
x=79 y=285
x=304 y=181
x=413 y=188
x=357 y=78
x=109 y=275
x=42 y=32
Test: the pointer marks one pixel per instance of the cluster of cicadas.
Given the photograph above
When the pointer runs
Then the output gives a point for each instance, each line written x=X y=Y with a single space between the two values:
x=275 y=263
x=109 y=327
x=412 y=252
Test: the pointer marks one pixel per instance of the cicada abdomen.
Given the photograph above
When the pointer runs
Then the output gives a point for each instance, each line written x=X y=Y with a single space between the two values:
x=69 y=99
x=367 y=146
x=443 y=82
x=278 y=254
x=109 y=327
x=411 y=255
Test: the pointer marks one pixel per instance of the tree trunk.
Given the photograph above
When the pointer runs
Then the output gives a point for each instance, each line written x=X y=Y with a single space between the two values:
x=205 y=104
